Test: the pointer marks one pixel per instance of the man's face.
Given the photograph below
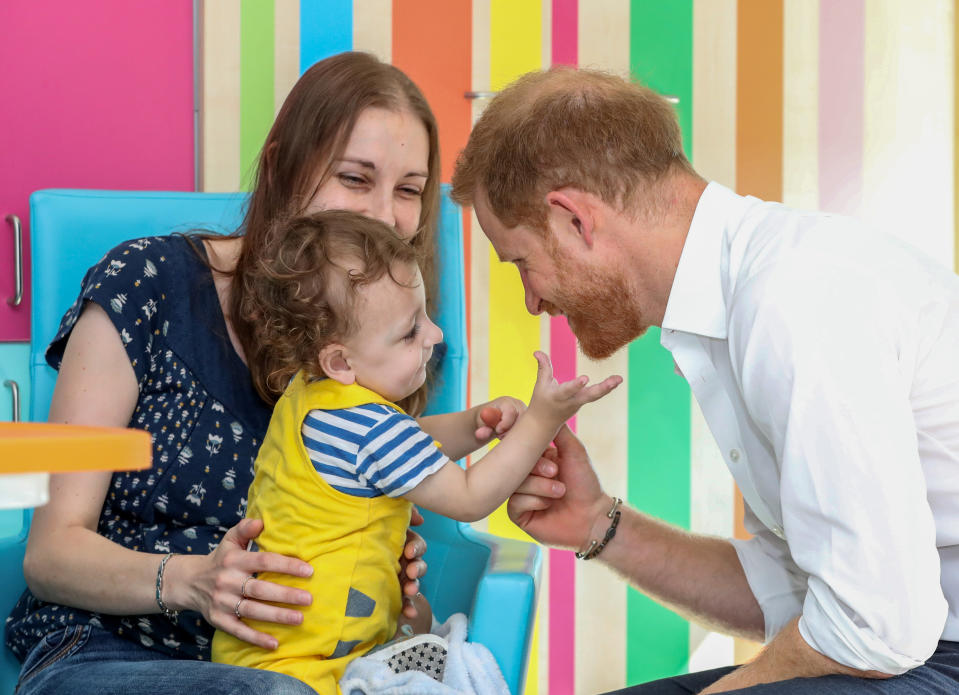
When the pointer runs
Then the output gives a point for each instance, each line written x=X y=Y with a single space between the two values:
x=559 y=279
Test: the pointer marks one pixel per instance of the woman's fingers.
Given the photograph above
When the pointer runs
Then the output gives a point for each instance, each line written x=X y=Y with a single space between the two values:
x=241 y=630
x=253 y=562
x=262 y=590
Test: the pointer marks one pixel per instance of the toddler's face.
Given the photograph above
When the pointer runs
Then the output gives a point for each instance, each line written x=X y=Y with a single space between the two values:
x=390 y=351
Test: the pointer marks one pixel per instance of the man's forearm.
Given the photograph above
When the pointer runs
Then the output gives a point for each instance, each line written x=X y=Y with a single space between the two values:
x=787 y=656
x=700 y=577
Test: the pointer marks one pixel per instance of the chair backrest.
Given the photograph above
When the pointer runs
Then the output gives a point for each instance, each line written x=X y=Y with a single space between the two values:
x=73 y=229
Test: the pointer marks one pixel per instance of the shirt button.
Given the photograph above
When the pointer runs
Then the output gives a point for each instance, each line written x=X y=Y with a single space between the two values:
x=779 y=532
x=734 y=455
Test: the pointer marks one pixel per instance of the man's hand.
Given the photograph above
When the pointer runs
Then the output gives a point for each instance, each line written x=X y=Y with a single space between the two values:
x=559 y=508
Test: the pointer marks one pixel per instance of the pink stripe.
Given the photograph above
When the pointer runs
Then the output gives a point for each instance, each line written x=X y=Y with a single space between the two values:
x=562 y=567
x=562 y=563
x=565 y=32
x=842 y=30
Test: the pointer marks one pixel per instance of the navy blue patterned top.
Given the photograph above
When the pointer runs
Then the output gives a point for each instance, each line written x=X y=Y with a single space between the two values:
x=197 y=399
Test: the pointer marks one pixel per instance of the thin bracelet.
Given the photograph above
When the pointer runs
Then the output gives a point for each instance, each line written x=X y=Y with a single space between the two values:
x=595 y=547
x=165 y=609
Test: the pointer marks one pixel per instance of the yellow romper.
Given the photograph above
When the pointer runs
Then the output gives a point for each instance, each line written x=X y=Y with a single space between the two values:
x=353 y=543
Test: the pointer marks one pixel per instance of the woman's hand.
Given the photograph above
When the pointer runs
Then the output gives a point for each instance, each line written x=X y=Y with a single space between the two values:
x=221 y=584
x=412 y=566
x=561 y=499
x=496 y=418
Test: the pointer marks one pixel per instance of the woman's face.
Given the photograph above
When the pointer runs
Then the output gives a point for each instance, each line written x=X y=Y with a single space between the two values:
x=382 y=171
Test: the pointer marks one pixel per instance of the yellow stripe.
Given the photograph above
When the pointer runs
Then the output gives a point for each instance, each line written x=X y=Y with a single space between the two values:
x=515 y=29
x=373 y=27
x=801 y=104
x=286 y=49
x=220 y=96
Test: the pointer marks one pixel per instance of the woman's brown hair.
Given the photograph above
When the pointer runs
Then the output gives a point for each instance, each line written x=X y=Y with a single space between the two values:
x=310 y=132
x=301 y=293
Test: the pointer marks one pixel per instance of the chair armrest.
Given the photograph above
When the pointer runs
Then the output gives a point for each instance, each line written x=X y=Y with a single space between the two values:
x=504 y=610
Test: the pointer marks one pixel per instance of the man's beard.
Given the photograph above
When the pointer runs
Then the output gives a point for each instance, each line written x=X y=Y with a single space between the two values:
x=597 y=305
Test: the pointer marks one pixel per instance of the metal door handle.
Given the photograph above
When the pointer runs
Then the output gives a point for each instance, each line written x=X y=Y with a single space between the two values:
x=15 y=391
x=17 y=260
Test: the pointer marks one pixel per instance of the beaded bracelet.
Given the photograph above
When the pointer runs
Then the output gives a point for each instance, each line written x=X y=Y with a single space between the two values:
x=165 y=609
x=595 y=547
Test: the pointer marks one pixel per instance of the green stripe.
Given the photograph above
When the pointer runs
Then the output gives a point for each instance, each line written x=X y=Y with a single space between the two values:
x=657 y=640
x=256 y=81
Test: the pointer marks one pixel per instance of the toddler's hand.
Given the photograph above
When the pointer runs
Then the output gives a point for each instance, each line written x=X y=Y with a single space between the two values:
x=497 y=417
x=562 y=401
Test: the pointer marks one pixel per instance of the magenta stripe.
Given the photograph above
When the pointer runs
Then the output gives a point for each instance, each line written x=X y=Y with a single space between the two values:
x=842 y=37
x=565 y=32
x=562 y=348
x=562 y=564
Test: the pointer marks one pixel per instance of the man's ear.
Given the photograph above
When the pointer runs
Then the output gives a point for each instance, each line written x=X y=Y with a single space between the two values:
x=572 y=210
x=335 y=364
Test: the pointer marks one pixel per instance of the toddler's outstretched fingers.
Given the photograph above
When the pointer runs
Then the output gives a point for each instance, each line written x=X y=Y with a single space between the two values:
x=544 y=367
x=597 y=391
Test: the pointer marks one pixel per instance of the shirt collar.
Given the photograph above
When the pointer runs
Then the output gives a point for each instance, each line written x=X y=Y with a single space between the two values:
x=697 y=302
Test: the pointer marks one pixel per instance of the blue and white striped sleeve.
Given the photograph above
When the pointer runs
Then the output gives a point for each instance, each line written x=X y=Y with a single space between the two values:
x=396 y=455
x=332 y=439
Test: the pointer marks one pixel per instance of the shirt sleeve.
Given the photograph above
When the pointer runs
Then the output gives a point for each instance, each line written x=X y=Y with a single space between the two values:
x=396 y=456
x=126 y=283
x=822 y=354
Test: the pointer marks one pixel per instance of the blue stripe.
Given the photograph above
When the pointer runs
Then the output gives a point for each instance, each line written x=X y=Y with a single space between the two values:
x=350 y=415
x=326 y=28
x=378 y=409
x=328 y=428
x=313 y=445
x=332 y=471
x=357 y=492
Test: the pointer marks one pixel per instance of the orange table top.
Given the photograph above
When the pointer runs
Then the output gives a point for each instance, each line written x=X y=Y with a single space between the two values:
x=40 y=447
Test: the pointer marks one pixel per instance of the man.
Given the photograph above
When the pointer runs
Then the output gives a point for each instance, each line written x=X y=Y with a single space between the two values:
x=824 y=356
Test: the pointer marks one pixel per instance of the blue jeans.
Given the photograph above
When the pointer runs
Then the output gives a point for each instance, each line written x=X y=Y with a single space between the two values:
x=92 y=661
x=939 y=676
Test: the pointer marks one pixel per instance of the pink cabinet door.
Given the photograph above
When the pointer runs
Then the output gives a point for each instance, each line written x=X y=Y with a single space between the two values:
x=96 y=95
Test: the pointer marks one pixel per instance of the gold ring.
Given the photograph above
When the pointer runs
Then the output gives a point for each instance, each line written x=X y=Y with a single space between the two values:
x=236 y=608
x=243 y=586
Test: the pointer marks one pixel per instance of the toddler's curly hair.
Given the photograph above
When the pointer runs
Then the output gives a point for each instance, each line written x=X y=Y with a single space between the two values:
x=301 y=294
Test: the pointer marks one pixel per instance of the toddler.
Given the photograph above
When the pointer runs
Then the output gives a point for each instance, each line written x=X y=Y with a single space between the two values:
x=342 y=465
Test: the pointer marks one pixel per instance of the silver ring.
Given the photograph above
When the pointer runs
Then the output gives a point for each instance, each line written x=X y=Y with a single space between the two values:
x=243 y=586
x=236 y=608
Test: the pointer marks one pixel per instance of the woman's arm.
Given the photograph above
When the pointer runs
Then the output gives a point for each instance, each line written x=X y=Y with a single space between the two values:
x=464 y=432
x=68 y=562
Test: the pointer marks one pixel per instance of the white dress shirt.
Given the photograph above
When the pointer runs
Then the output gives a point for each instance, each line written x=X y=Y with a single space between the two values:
x=825 y=358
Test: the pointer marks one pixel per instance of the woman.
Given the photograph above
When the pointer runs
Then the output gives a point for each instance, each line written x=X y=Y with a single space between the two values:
x=128 y=571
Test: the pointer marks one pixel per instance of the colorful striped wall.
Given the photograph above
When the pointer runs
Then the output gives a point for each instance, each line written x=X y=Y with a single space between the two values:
x=844 y=105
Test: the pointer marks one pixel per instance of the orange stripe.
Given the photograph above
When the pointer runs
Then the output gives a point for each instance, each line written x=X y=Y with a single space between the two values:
x=759 y=115
x=759 y=99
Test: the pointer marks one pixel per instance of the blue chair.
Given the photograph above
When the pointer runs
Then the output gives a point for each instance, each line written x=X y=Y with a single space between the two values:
x=492 y=580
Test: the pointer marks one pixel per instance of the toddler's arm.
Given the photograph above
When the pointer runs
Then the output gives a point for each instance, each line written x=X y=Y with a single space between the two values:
x=464 y=432
x=472 y=494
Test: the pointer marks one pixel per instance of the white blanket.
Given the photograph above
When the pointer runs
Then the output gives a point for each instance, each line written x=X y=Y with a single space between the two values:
x=470 y=670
